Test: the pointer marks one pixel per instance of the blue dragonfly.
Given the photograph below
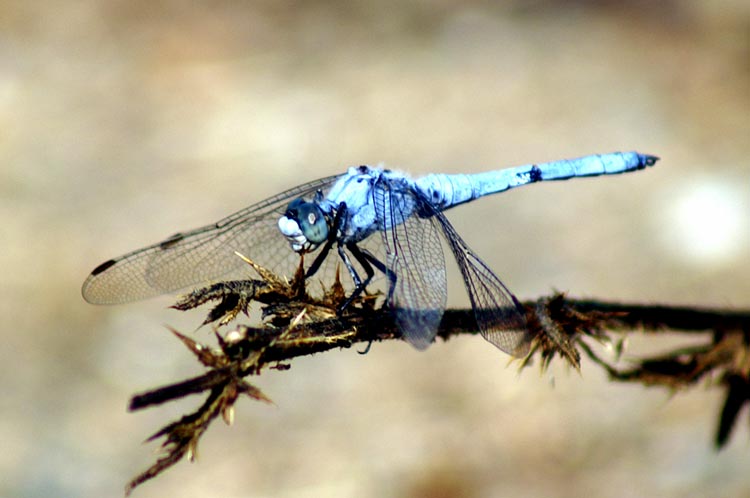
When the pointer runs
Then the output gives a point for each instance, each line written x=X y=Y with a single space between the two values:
x=377 y=220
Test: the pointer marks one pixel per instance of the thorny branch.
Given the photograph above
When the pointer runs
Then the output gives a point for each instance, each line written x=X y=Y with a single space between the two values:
x=296 y=324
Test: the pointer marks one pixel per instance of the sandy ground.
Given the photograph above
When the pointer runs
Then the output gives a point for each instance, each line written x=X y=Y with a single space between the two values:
x=123 y=122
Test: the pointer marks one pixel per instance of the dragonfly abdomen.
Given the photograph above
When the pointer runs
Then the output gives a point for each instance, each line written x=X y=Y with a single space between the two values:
x=445 y=191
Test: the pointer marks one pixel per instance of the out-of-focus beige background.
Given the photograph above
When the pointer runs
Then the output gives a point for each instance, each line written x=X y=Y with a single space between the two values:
x=123 y=122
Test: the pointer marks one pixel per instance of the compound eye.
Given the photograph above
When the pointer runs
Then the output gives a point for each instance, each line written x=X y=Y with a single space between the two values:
x=311 y=220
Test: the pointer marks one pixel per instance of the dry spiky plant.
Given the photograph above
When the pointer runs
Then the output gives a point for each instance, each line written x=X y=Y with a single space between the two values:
x=296 y=324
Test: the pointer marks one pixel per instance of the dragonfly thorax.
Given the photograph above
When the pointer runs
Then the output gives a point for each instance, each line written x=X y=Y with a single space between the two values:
x=304 y=225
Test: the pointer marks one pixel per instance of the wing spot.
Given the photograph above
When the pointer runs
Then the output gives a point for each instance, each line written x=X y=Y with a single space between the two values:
x=103 y=267
x=174 y=239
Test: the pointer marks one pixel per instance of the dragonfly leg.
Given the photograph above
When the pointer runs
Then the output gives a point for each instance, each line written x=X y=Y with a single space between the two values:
x=315 y=266
x=332 y=236
x=390 y=275
x=364 y=259
x=367 y=349
x=375 y=262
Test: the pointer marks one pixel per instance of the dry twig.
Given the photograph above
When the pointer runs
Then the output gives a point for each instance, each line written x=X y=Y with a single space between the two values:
x=296 y=324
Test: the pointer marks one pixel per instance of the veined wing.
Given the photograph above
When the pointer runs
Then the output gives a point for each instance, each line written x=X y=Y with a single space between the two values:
x=414 y=257
x=499 y=315
x=203 y=254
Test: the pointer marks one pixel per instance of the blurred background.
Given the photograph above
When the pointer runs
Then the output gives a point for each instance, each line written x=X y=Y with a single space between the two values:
x=123 y=122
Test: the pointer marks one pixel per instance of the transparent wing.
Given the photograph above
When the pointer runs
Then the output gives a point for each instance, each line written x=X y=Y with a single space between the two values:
x=499 y=315
x=202 y=255
x=414 y=258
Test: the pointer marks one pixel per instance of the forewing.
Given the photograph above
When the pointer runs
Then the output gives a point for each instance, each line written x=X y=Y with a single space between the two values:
x=199 y=256
x=499 y=315
x=414 y=258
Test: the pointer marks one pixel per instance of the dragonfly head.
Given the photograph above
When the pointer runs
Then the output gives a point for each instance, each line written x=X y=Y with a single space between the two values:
x=304 y=225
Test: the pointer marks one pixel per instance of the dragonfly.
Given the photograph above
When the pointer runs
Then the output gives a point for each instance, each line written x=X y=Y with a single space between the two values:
x=371 y=219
